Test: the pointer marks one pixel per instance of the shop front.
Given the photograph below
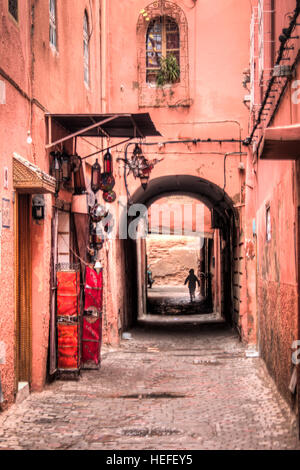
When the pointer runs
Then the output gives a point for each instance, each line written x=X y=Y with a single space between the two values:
x=83 y=215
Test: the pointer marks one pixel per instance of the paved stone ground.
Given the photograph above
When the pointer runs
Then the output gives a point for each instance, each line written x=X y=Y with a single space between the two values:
x=174 y=300
x=173 y=386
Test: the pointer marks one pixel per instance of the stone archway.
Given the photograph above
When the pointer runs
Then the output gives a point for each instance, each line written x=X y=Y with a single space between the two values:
x=224 y=217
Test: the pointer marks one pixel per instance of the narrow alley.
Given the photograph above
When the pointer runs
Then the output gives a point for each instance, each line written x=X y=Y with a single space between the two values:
x=150 y=225
x=177 y=384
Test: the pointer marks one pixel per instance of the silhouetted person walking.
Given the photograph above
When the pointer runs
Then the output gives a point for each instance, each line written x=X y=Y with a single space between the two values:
x=191 y=280
x=150 y=279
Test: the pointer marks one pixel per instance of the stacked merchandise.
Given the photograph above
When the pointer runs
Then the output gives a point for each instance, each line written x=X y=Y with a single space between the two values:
x=68 y=320
x=92 y=319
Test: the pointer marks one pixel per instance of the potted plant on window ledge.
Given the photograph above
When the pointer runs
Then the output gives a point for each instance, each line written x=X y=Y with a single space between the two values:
x=169 y=71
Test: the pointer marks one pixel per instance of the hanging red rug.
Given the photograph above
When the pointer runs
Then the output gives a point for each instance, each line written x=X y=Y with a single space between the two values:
x=93 y=289
x=91 y=340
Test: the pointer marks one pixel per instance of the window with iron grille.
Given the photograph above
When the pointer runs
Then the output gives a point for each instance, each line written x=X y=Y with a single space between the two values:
x=13 y=9
x=261 y=42
x=162 y=41
x=86 y=49
x=52 y=27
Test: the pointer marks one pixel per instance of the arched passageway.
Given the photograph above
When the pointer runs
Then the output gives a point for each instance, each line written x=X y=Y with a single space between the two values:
x=224 y=220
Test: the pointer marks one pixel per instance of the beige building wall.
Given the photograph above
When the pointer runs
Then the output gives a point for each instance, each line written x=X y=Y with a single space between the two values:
x=170 y=258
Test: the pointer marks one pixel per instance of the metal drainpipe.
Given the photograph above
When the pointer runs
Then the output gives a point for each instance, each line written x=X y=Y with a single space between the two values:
x=103 y=56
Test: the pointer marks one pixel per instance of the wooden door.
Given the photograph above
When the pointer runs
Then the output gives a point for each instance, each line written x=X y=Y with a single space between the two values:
x=23 y=289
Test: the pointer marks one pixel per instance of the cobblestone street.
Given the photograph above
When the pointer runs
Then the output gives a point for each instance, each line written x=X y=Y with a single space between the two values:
x=174 y=385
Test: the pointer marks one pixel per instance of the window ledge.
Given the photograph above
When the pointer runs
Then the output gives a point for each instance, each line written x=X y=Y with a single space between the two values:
x=167 y=86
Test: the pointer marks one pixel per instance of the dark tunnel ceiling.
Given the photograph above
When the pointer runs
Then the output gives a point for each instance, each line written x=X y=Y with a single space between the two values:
x=205 y=191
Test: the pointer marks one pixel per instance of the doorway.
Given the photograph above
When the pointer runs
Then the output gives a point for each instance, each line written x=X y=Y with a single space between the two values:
x=23 y=290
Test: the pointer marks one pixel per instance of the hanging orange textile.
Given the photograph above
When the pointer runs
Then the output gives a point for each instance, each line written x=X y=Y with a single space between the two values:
x=68 y=290
x=67 y=346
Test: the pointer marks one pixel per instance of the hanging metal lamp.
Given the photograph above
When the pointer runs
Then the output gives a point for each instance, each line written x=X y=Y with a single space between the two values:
x=96 y=177
x=108 y=163
x=66 y=167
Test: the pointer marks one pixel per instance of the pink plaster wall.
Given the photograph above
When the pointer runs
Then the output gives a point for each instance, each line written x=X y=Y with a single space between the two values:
x=39 y=79
x=272 y=271
x=214 y=88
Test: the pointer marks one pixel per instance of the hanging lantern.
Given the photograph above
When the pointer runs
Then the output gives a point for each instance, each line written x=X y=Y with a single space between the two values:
x=139 y=166
x=56 y=170
x=66 y=168
x=98 y=237
x=75 y=162
x=144 y=169
x=142 y=166
x=98 y=213
x=109 y=196
x=96 y=174
x=108 y=163
x=79 y=179
x=137 y=150
x=107 y=182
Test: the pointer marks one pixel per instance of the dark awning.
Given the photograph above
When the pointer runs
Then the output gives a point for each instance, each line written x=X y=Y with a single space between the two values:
x=281 y=143
x=103 y=125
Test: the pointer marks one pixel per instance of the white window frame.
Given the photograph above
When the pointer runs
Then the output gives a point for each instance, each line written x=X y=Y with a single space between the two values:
x=52 y=24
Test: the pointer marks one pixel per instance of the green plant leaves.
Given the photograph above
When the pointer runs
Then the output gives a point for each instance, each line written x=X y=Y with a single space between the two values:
x=169 y=71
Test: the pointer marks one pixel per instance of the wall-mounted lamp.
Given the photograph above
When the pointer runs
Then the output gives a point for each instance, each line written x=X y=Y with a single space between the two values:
x=139 y=165
x=38 y=207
